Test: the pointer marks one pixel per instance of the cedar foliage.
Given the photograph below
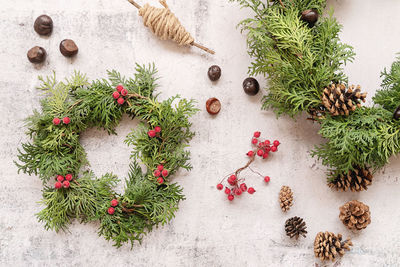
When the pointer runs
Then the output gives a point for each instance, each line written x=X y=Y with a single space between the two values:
x=55 y=150
x=299 y=62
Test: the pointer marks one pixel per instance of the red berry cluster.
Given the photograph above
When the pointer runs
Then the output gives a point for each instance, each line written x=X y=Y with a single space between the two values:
x=159 y=173
x=65 y=120
x=263 y=147
x=113 y=204
x=154 y=132
x=63 y=181
x=237 y=186
x=119 y=94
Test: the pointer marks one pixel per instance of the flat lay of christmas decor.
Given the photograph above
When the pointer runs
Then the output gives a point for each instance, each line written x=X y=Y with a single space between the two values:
x=232 y=133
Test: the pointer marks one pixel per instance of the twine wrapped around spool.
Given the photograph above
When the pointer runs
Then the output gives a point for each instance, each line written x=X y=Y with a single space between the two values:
x=164 y=24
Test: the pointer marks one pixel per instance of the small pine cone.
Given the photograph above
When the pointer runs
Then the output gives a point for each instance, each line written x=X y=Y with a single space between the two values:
x=355 y=215
x=356 y=180
x=295 y=227
x=286 y=198
x=328 y=246
x=341 y=101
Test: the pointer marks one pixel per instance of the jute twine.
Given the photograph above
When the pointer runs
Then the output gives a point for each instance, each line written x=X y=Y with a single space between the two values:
x=164 y=24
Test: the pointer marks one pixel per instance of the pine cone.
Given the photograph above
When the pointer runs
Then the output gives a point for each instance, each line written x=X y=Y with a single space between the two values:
x=328 y=246
x=356 y=180
x=355 y=215
x=286 y=198
x=341 y=101
x=295 y=227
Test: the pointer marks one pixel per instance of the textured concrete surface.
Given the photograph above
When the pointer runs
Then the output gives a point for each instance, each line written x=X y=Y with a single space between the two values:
x=207 y=230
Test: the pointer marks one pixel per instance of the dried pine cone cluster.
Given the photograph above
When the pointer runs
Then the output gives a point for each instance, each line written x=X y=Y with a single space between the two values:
x=328 y=246
x=341 y=101
x=285 y=198
x=356 y=180
x=355 y=215
x=295 y=227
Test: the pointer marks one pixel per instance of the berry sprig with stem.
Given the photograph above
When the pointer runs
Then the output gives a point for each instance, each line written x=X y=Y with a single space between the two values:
x=234 y=183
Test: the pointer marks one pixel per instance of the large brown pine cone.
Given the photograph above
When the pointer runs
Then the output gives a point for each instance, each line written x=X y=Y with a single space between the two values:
x=295 y=227
x=356 y=180
x=285 y=198
x=355 y=215
x=341 y=101
x=328 y=246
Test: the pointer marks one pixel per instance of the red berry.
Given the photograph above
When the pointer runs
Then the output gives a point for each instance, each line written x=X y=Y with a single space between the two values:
x=151 y=133
x=276 y=143
x=120 y=101
x=68 y=177
x=251 y=190
x=260 y=152
x=157 y=173
x=220 y=186
x=160 y=180
x=254 y=141
x=66 y=184
x=250 y=154
x=56 y=121
x=243 y=187
x=160 y=167
x=66 y=120
x=274 y=148
x=267 y=149
x=124 y=92
x=60 y=178
x=57 y=185
x=267 y=142
x=265 y=155
x=119 y=88
x=232 y=179
x=157 y=129
x=115 y=95
x=227 y=191
x=114 y=202
x=164 y=173
x=238 y=192
x=111 y=210
x=267 y=179
x=231 y=197
x=257 y=134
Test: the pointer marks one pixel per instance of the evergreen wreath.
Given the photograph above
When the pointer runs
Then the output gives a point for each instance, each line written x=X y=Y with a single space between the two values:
x=300 y=53
x=159 y=143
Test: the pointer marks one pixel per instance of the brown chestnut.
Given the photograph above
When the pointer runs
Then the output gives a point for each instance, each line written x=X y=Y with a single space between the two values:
x=251 y=86
x=310 y=16
x=396 y=114
x=43 y=25
x=213 y=106
x=68 y=48
x=36 y=54
x=214 y=73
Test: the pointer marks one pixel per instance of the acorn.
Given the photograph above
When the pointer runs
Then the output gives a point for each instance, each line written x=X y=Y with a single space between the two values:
x=396 y=114
x=43 y=25
x=36 y=54
x=68 y=48
x=310 y=16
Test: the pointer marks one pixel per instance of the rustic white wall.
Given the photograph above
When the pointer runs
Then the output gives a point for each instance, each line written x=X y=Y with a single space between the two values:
x=207 y=230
